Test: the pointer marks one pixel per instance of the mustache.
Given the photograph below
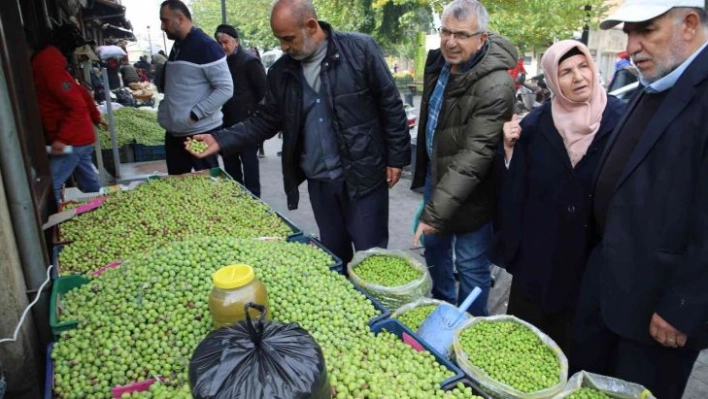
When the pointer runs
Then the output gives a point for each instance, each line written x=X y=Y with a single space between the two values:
x=640 y=58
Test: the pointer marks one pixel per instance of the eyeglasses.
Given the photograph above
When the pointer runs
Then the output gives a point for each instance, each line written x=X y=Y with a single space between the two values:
x=461 y=36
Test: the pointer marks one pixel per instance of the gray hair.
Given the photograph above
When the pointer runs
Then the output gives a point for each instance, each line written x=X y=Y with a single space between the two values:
x=680 y=13
x=462 y=9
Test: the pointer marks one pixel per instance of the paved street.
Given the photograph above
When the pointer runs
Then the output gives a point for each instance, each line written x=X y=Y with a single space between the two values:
x=403 y=205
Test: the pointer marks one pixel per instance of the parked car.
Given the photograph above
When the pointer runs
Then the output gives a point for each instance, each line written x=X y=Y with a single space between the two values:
x=411 y=115
x=269 y=57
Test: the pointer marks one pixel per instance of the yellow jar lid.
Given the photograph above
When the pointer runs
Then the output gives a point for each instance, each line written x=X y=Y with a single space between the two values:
x=233 y=276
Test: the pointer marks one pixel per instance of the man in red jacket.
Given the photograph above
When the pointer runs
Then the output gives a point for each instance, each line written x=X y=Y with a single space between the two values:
x=68 y=113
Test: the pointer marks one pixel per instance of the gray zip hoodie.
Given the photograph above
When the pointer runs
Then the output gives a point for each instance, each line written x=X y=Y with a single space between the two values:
x=196 y=80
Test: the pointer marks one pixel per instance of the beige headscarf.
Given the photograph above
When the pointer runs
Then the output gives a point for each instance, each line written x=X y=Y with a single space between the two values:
x=577 y=122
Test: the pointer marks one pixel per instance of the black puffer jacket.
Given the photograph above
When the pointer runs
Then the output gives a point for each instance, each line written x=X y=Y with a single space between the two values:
x=249 y=79
x=368 y=113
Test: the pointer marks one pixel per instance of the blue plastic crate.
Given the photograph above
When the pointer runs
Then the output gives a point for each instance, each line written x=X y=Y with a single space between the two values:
x=385 y=314
x=400 y=330
x=337 y=264
x=49 y=374
x=55 y=261
x=466 y=381
x=296 y=231
x=145 y=153
x=218 y=172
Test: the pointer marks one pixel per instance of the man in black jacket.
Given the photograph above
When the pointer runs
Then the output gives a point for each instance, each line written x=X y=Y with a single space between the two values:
x=643 y=308
x=344 y=127
x=249 y=79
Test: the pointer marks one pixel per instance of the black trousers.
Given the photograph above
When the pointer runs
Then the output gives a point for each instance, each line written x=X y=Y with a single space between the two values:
x=343 y=221
x=179 y=161
x=557 y=325
x=597 y=349
x=243 y=166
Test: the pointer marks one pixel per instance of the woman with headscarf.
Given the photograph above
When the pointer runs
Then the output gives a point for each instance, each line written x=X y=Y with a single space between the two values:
x=551 y=156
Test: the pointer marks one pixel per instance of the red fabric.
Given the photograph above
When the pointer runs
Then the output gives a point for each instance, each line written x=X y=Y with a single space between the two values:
x=518 y=69
x=66 y=107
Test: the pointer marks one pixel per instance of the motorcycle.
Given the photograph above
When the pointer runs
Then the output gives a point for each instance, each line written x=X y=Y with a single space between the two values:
x=531 y=95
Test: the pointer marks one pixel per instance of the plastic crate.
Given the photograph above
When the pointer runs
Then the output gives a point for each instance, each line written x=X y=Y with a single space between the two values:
x=56 y=232
x=125 y=155
x=117 y=392
x=57 y=238
x=466 y=381
x=49 y=374
x=296 y=231
x=337 y=264
x=401 y=331
x=385 y=314
x=139 y=386
x=56 y=249
x=61 y=286
x=146 y=153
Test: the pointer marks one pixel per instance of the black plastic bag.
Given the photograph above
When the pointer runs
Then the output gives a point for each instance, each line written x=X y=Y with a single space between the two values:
x=259 y=359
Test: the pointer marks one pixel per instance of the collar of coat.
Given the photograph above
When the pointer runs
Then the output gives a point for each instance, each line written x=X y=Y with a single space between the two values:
x=292 y=65
x=499 y=55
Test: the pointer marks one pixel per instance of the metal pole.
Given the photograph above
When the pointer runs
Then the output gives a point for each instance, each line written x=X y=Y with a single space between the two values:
x=150 y=42
x=586 y=29
x=164 y=42
x=223 y=11
x=111 y=125
x=103 y=181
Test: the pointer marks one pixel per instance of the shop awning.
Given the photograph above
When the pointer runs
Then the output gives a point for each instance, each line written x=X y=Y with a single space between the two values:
x=117 y=32
x=102 y=9
x=110 y=15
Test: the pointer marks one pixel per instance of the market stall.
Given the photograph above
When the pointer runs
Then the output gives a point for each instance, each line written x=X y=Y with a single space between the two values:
x=141 y=287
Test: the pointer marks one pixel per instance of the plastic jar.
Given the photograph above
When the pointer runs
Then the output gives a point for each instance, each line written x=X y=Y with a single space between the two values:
x=234 y=287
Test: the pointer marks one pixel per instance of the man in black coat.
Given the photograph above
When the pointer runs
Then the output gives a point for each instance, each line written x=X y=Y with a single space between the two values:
x=249 y=79
x=344 y=127
x=643 y=308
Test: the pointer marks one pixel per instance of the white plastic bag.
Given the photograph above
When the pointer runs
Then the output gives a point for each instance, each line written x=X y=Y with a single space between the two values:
x=496 y=387
x=106 y=52
x=613 y=387
x=391 y=297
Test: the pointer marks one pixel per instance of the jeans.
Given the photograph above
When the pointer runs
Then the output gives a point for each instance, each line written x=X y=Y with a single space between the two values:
x=468 y=253
x=79 y=161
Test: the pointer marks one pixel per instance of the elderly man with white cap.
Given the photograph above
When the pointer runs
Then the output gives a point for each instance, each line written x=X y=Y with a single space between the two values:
x=643 y=309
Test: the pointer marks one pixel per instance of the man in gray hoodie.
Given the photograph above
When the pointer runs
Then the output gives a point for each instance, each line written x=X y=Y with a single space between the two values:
x=196 y=82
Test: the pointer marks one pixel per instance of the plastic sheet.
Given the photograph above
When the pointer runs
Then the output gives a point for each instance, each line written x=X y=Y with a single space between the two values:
x=259 y=359
x=392 y=297
x=613 y=387
x=498 y=388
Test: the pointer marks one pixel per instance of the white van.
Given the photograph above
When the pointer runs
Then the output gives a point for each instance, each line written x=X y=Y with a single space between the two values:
x=269 y=57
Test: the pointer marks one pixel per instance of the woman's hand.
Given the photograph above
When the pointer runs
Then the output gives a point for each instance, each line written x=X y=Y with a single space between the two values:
x=512 y=132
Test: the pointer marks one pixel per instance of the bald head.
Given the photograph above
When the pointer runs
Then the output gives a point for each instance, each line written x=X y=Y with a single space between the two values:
x=294 y=24
x=299 y=11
